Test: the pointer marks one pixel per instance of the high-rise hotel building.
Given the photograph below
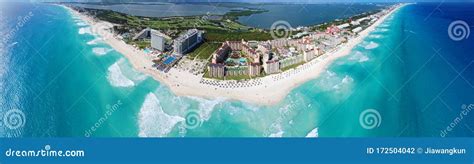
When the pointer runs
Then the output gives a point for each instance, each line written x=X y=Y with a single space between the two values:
x=158 y=40
x=187 y=41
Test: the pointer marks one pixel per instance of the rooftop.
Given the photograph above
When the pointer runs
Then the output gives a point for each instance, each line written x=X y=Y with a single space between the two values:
x=188 y=34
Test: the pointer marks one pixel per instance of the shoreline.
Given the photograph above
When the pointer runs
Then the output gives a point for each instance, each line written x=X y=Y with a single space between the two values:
x=272 y=90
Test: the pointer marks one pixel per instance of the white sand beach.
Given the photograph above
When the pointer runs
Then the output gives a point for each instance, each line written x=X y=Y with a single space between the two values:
x=267 y=90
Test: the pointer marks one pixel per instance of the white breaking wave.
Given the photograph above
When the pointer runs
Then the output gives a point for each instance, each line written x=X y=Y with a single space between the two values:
x=346 y=80
x=375 y=36
x=101 y=51
x=206 y=106
x=81 y=24
x=95 y=41
x=130 y=72
x=13 y=44
x=153 y=121
x=371 y=45
x=313 y=133
x=331 y=74
x=85 y=30
x=77 y=19
x=277 y=134
x=116 y=76
x=359 y=57
x=251 y=107
x=327 y=83
x=278 y=131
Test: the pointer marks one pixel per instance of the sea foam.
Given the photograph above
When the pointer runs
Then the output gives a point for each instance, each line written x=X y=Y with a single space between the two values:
x=371 y=45
x=277 y=130
x=82 y=24
x=375 y=36
x=383 y=29
x=153 y=121
x=116 y=76
x=358 y=56
x=85 y=30
x=313 y=133
x=277 y=134
x=346 y=80
x=101 y=51
x=206 y=106
x=95 y=41
x=332 y=82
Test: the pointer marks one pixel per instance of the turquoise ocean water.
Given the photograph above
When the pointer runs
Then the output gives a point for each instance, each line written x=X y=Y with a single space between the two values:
x=69 y=83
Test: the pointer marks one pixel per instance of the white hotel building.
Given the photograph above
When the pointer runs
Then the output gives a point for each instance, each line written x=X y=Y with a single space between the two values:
x=187 y=41
x=158 y=40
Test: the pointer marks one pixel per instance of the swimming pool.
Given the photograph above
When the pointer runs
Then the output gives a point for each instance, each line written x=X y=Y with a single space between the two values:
x=147 y=51
x=169 y=60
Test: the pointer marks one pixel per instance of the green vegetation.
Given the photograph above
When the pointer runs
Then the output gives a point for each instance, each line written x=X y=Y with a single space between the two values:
x=292 y=66
x=142 y=44
x=221 y=36
x=217 y=30
x=226 y=23
x=204 y=51
x=117 y=18
x=172 y=23
x=323 y=26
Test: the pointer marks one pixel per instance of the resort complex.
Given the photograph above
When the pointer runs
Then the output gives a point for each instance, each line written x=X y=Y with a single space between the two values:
x=229 y=59
x=181 y=45
x=246 y=59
